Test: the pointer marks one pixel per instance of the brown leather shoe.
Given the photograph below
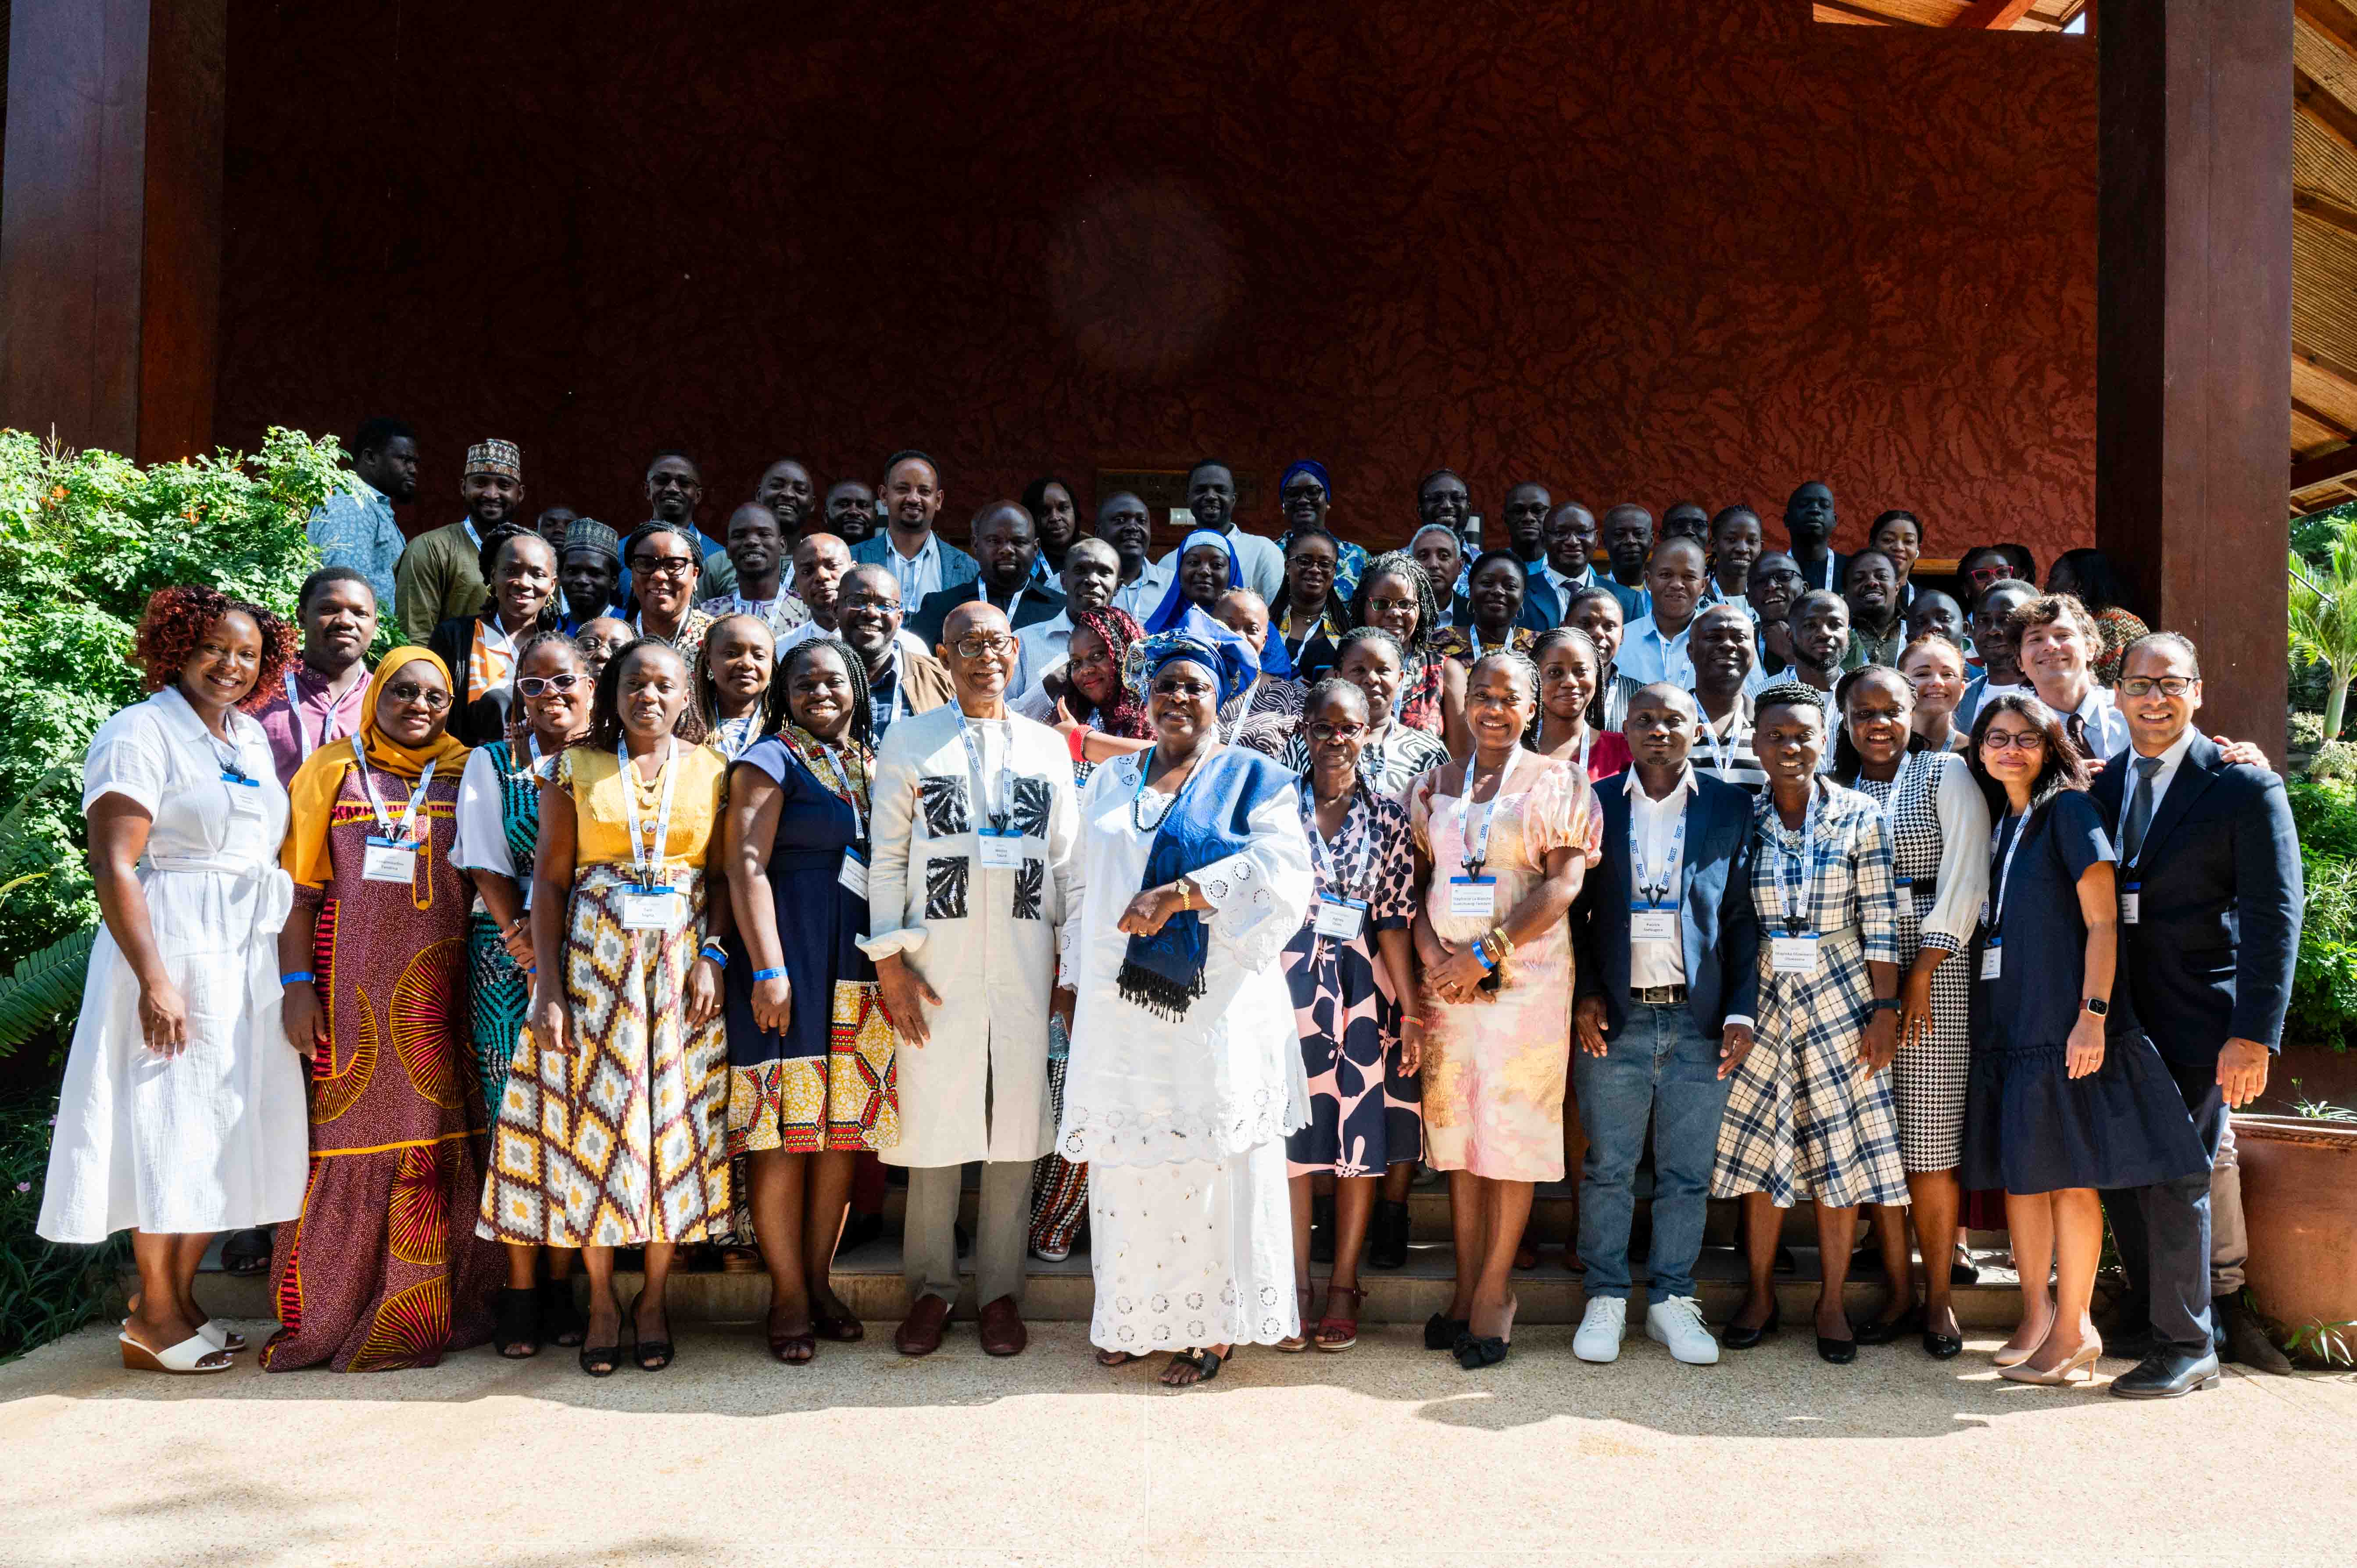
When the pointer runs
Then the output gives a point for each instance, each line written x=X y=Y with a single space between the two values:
x=1002 y=1333
x=920 y=1333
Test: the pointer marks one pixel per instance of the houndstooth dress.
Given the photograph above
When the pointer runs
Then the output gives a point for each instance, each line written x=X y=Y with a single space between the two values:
x=1804 y=1119
x=1939 y=822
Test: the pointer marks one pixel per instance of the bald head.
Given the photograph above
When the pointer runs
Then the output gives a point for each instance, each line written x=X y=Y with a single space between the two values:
x=1244 y=613
x=1006 y=542
x=979 y=648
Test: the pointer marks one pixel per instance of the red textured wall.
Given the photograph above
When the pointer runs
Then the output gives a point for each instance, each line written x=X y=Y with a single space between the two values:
x=1641 y=250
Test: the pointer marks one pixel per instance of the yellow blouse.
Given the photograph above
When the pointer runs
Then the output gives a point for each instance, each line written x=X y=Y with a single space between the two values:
x=602 y=821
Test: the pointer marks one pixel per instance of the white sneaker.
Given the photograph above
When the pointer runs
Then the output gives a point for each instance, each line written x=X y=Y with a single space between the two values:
x=1600 y=1329
x=1677 y=1323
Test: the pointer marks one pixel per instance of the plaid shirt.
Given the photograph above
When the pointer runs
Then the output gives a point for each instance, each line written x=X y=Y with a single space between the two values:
x=1846 y=879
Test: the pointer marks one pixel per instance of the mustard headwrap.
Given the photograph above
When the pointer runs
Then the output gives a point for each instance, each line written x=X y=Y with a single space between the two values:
x=312 y=795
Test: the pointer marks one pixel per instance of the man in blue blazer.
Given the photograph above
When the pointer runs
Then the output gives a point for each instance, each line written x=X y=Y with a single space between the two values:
x=2210 y=912
x=921 y=560
x=1667 y=949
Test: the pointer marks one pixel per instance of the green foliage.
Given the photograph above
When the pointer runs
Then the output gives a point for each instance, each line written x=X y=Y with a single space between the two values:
x=84 y=538
x=2324 y=984
x=2328 y=1344
x=44 y=987
x=2322 y=623
x=2312 y=536
x=46 y=1290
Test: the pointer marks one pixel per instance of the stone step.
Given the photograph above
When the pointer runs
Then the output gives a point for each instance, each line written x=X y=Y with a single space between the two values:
x=868 y=1280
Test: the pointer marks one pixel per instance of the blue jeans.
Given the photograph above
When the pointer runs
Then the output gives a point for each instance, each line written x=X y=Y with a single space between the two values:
x=1659 y=1063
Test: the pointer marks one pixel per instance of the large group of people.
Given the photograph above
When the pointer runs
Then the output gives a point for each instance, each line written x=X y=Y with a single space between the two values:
x=659 y=891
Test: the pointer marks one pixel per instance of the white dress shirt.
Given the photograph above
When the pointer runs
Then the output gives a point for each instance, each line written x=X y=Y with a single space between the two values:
x=1143 y=598
x=1040 y=647
x=2170 y=761
x=917 y=576
x=1656 y=824
x=2107 y=727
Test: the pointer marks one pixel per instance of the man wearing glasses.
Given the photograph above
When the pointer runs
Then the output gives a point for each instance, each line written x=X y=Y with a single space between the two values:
x=969 y=883
x=902 y=679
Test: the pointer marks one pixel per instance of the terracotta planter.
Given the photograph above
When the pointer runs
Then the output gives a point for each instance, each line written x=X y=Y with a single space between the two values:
x=2299 y=1199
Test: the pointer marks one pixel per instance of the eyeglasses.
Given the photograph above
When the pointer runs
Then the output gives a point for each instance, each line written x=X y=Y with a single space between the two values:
x=983 y=646
x=1337 y=732
x=2021 y=740
x=662 y=566
x=1986 y=573
x=1392 y=607
x=865 y=602
x=411 y=691
x=672 y=482
x=2166 y=685
x=541 y=685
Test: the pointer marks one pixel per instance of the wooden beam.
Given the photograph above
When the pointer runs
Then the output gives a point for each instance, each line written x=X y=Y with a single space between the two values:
x=1992 y=15
x=2316 y=415
x=2330 y=370
x=2326 y=113
x=1858 y=14
x=2324 y=209
x=2333 y=465
x=2332 y=19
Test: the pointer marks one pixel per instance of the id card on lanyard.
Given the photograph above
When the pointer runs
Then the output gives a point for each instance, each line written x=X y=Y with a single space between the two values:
x=1474 y=895
x=651 y=906
x=1795 y=950
x=1341 y=914
x=392 y=853
x=853 y=874
x=999 y=843
x=244 y=789
x=1993 y=948
x=1653 y=915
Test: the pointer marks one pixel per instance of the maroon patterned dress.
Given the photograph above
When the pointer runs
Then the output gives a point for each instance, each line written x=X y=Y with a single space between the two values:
x=1419 y=698
x=383 y=1270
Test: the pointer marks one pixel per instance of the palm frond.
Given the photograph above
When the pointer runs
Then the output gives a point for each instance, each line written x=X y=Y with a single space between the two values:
x=44 y=987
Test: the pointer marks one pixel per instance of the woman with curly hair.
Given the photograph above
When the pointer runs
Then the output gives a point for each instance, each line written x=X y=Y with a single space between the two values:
x=181 y=1113
x=383 y=1271
x=1395 y=594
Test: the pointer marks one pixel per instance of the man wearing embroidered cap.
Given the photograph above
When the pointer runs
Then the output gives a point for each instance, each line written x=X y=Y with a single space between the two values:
x=436 y=578
x=590 y=569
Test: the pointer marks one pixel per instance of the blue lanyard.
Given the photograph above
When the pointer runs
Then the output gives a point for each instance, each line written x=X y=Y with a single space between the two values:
x=1362 y=877
x=1794 y=874
x=1654 y=888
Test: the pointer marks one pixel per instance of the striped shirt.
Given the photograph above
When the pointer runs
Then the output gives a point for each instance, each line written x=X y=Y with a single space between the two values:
x=1724 y=750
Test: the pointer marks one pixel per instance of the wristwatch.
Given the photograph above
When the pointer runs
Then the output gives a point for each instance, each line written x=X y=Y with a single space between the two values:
x=2097 y=1007
x=1186 y=886
x=1888 y=1004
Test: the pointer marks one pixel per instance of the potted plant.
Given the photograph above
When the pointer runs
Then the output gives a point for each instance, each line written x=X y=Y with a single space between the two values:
x=2299 y=1203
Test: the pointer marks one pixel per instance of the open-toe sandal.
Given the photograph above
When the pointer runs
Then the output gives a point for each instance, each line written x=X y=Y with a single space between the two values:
x=1117 y=1358
x=651 y=1355
x=1293 y=1345
x=599 y=1360
x=194 y=1357
x=515 y=1327
x=1338 y=1333
x=1206 y=1362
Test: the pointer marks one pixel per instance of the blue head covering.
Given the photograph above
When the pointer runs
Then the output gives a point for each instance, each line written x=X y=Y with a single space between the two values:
x=1311 y=467
x=1200 y=640
x=1169 y=612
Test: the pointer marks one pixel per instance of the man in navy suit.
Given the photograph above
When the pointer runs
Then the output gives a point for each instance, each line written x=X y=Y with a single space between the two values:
x=1006 y=545
x=2210 y=911
x=1667 y=951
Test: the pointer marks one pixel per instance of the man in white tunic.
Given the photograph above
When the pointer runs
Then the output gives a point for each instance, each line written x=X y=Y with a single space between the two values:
x=973 y=848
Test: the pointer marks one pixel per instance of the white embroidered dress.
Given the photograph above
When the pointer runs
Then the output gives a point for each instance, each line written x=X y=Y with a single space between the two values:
x=217 y=1138
x=1182 y=1122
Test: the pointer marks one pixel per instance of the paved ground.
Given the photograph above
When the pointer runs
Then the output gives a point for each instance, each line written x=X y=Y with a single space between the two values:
x=1384 y=1456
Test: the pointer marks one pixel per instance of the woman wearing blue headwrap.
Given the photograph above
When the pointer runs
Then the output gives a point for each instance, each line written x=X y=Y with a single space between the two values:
x=1186 y=1073
x=1304 y=492
x=1206 y=569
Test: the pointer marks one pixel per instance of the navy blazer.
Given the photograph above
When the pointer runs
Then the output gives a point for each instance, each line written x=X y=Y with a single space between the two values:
x=1715 y=912
x=2219 y=907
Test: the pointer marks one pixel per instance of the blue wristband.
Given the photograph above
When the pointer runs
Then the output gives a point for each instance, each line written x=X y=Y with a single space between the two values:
x=717 y=954
x=1483 y=957
x=761 y=974
x=303 y=975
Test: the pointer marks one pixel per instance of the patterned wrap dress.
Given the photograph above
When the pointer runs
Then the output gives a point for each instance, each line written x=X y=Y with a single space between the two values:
x=1495 y=1070
x=380 y=1271
x=1460 y=643
x=498 y=830
x=1364 y=1113
x=620 y=1139
x=1418 y=702
x=1938 y=821
x=1805 y=1121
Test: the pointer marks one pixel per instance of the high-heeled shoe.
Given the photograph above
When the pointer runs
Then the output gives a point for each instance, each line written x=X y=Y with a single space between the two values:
x=2085 y=1357
x=651 y=1355
x=1734 y=1336
x=2007 y=1356
x=1839 y=1352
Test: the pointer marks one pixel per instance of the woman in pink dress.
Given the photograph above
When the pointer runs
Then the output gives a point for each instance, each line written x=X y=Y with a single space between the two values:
x=1502 y=841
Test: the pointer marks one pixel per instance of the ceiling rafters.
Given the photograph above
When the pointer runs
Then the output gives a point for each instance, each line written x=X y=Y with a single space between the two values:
x=1989 y=15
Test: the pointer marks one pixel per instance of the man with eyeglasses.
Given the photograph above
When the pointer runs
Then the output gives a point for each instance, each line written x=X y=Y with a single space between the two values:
x=974 y=824
x=920 y=561
x=902 y=679
x=600 y=639
x=1124 y=523
x=2209 y=916
x=440 y=575
x=1567 y=565
x=1774 y=583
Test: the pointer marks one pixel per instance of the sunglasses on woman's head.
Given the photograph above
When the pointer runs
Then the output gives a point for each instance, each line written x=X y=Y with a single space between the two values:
x=541 y=685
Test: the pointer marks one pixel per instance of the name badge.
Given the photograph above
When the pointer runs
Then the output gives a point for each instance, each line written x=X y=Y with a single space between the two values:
x=653 y=909
x=244 y=796
x=854 y=875
x=2131 y=897
x=1993 y=958
x=1793 y=955
x=1648 y=925
x=1473 y=898
x=389 y=860
x=1341 y=919
x=1001 y=851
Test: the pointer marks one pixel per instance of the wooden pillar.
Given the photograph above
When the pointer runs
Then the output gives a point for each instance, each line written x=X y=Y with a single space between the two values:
x=110 y=221
x=2193 y=335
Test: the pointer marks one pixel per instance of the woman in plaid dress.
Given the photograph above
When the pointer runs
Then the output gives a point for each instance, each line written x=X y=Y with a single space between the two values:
x=1809 y=1113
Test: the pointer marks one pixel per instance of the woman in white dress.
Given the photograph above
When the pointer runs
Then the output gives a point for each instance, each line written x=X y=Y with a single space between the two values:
x=1186 y=1067
x=182 y=1112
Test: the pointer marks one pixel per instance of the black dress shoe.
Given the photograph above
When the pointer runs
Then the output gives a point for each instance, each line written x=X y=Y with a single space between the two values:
x=2168 y=1373
x=1840 y=1352
x=1734 y=1336
x=2243 y=1339
x=1942 y=1346
x=1884 y=1331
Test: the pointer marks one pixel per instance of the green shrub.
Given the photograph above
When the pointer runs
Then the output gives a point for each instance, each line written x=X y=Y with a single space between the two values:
x=84 y=538
x=2324 y=984
x=46 y=1290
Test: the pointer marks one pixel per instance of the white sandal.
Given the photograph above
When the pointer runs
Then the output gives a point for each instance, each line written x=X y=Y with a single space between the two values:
x=192 y=1357
x=216 y=1329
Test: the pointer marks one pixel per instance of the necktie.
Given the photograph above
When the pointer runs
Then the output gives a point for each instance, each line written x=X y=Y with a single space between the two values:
x=2139 y=809
x=2076 y=728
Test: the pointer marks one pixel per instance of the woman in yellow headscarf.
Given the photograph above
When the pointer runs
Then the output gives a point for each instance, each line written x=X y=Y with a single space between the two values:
x=383 y=1270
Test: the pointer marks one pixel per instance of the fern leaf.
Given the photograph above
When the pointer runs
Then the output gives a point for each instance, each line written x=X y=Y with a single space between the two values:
x=45 y=986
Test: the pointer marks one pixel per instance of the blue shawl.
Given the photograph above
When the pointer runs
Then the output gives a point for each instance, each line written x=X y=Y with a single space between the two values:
x=1209 y=821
